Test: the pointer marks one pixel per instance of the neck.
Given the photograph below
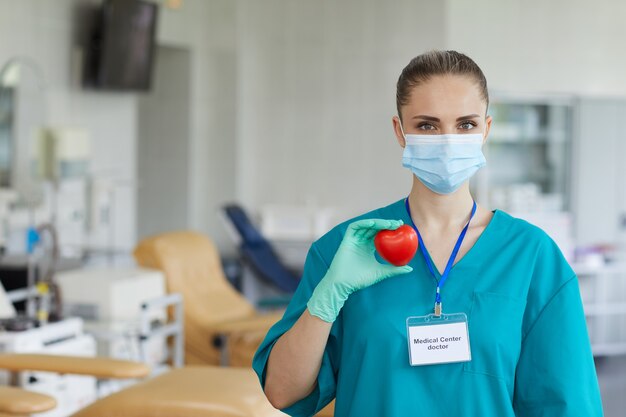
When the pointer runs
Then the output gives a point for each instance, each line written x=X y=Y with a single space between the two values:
x=439 y=211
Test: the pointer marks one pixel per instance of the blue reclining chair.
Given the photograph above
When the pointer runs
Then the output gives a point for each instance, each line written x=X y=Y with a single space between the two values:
x=258 y=253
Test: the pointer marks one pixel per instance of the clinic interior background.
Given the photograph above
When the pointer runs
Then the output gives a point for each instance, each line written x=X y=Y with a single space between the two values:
x=284 y=107
x=289 y=102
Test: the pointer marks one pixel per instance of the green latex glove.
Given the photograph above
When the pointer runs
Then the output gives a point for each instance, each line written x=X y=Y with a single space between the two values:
x=354 y=267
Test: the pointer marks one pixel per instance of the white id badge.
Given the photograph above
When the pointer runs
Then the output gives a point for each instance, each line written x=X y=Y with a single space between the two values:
x=438 y=339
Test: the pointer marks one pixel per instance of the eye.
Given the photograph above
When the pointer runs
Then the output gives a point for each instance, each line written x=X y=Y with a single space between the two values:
x=425 y=126
x=467 y=125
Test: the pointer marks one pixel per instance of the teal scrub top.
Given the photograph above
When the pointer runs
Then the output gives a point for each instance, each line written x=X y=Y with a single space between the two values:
x=530 y=349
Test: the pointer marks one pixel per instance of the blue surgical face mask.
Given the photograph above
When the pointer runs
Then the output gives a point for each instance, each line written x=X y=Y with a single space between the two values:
x=443 y=162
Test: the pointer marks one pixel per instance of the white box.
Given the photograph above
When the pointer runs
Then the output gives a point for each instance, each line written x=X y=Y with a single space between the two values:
x=66 y=337
x=108 y=294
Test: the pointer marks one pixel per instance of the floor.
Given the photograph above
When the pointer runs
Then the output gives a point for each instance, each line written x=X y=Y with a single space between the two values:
x=612 y=378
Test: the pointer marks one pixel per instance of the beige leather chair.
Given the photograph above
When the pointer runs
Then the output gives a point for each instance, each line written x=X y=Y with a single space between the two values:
x=19 y=402
x=214 y=310
x=192 y=391
x=192 y=267
x=202 y=391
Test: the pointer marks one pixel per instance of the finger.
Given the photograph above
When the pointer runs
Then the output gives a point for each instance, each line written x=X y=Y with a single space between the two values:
x=375 y=224
x=382 y=224
x=372 y=231
x=360 y=234
x=361 y=224
x=354 y=227
x=370 y=234
x=390 y=270
x=396 y=224
x=366 y=229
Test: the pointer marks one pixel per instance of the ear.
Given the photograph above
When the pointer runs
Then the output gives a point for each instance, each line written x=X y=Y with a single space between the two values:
x=488 y=121
x=395 y=120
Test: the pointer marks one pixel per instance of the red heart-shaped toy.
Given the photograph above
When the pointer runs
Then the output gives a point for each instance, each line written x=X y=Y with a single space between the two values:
x=397 y=246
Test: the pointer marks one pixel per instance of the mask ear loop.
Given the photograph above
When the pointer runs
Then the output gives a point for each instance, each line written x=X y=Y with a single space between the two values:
x=401 y=129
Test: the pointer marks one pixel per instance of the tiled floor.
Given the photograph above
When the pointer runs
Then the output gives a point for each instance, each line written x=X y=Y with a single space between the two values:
x=612 y=378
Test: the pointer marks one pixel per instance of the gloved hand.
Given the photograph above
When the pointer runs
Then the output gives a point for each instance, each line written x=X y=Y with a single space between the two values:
x=354 y=267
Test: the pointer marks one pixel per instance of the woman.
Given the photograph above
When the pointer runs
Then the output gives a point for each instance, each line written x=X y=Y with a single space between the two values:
x=371 y=335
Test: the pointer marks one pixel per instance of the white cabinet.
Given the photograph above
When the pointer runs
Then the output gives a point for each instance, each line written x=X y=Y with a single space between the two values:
x=548 y=154
x=529 y=162
x=603 y=291
x=599 y=177
x=599 y=207
x=528 y=154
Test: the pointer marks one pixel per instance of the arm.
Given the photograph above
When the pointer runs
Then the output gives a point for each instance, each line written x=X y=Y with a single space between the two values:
x=556 y=375
x=294 y=363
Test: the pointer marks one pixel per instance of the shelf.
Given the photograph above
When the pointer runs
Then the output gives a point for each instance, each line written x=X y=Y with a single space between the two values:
x=605 y=309
x=532 y=137
x=504 y=98
x=606 y=349
x=599 y=270
x=523 y=142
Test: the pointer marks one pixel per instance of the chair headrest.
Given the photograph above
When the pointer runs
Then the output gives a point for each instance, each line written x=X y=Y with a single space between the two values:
x=248 y=231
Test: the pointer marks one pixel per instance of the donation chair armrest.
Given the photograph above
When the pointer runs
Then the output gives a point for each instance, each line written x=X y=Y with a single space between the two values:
x=102 y=368
x=261 y=322
x=19 y=402
x=277 y=302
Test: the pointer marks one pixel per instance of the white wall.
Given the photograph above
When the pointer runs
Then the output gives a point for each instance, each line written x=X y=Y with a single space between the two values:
x=316 y=81
x=163 y=153
x=45 y=30
x=207 y=29
x=316 y=93
x=571 y=46
x=564 y=46
x=599 y=197
x=291 y=100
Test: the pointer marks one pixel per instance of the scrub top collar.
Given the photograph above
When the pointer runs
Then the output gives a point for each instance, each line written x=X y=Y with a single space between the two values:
x=473 y=256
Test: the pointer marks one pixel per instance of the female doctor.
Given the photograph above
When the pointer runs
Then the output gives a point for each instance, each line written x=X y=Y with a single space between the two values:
x=486 y=320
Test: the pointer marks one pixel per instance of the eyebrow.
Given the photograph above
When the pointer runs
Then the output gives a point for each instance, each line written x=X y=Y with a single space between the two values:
x=435 y=119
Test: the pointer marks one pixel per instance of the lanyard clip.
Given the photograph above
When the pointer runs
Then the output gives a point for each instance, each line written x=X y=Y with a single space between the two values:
x=438 y=302
x=438 y=309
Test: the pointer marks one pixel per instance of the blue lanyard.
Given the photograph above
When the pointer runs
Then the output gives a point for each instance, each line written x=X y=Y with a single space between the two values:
x=429 y=262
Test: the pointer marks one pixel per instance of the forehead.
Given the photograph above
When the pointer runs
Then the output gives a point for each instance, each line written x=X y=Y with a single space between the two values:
x=445 y=96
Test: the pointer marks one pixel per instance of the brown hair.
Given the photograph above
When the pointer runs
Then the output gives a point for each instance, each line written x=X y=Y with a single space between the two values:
x=436 y=62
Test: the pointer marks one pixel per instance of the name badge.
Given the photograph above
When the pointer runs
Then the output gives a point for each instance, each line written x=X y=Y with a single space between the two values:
x=438 y=339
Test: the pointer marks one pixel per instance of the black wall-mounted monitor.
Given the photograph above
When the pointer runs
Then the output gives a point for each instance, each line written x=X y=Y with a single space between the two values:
x=120 y=51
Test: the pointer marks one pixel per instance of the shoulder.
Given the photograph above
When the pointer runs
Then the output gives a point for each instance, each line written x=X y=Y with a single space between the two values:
x=518 y=228
x=327 y=245
x=544 y=255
